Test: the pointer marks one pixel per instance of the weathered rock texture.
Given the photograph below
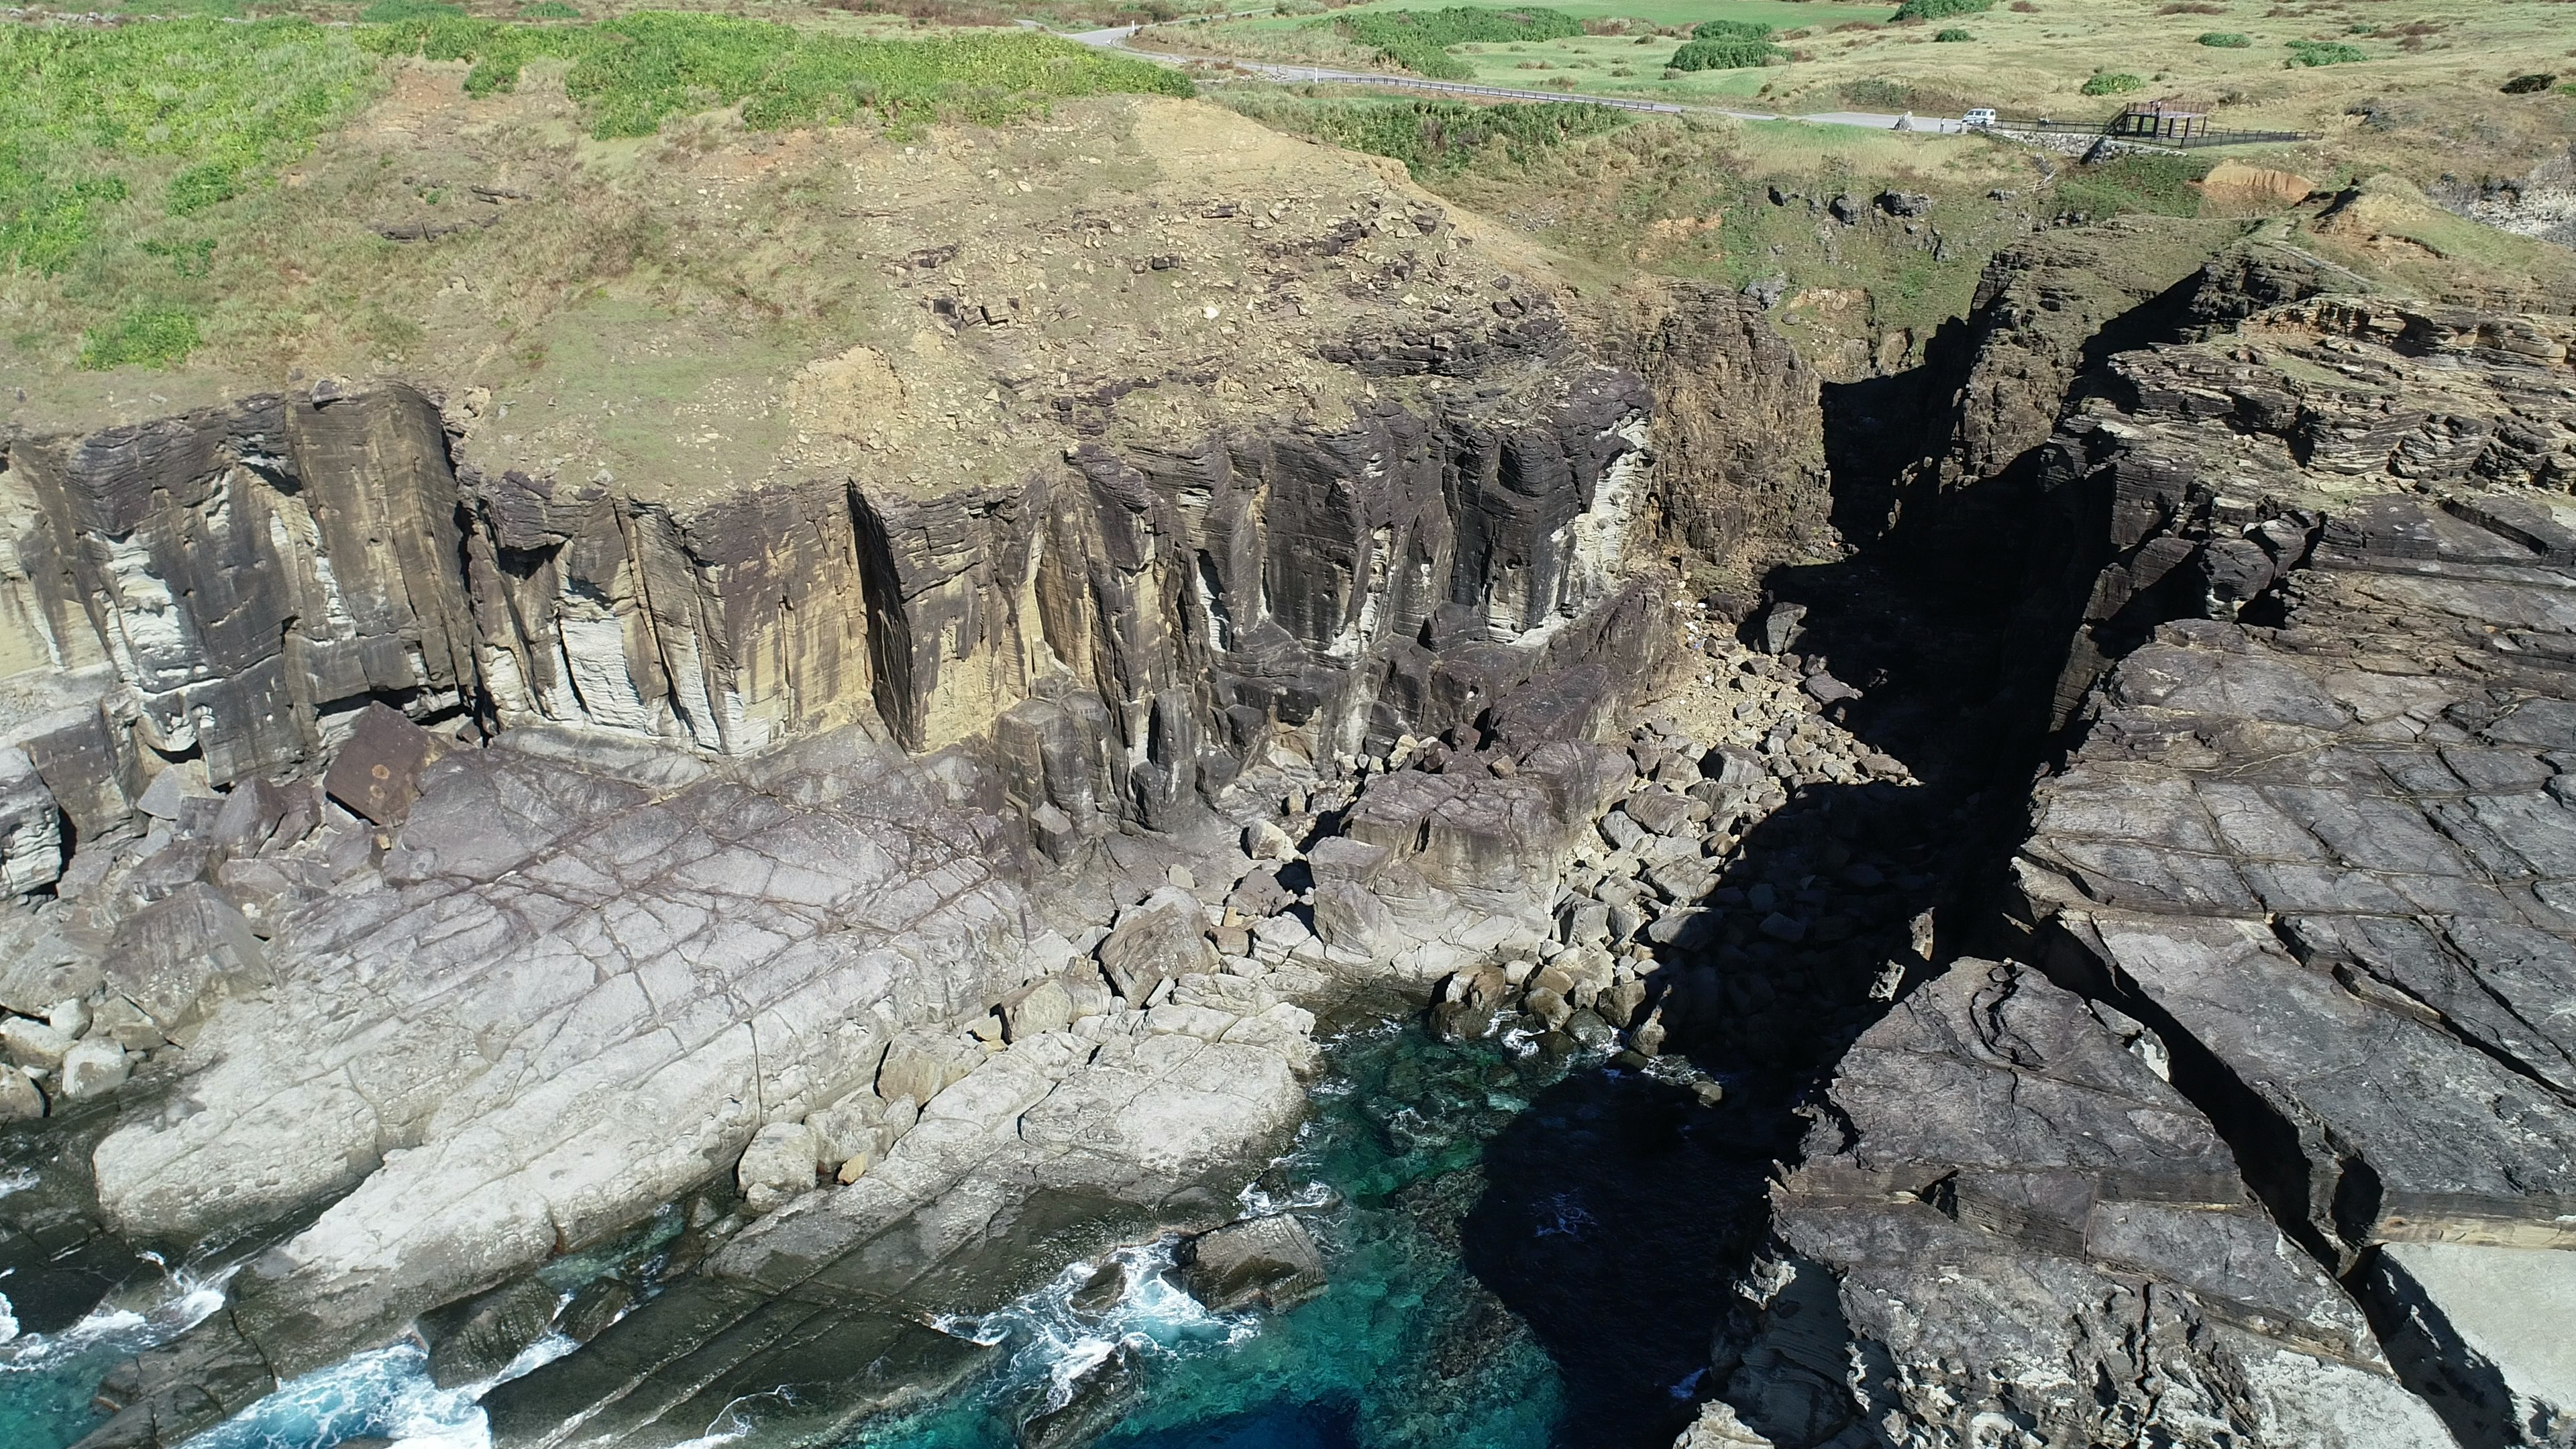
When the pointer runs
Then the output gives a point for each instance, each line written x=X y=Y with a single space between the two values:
x=2026 y=1226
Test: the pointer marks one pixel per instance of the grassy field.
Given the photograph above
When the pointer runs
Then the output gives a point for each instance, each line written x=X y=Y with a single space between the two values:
x=148 y=172
x=2423 y=96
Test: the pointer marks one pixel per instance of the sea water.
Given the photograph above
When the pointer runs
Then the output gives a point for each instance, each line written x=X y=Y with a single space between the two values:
x=1464 y=1308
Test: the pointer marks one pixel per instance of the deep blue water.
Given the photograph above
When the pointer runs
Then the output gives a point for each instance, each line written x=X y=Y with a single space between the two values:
x=1523 y=1253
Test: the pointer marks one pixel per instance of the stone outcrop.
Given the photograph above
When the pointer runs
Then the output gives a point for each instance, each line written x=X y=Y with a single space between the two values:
x=2007 y=1216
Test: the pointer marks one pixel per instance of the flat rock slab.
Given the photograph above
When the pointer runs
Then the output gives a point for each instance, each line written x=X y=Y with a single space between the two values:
x=2008 y=1213
x=2493 y=1328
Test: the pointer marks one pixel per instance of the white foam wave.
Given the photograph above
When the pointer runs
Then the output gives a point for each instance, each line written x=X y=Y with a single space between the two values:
x=179 y=1302
x=1052 y=1342
x=385 y=1393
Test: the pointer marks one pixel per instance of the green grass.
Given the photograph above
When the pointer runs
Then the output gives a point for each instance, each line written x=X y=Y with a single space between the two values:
x=91 y=117
x=2132 y=185
x=147 y=337
x=1419 y=40
x=632 y=73
x=1432 y=138
x=2226 y=40
x=2112 y=83
x=2325 y=52
x=548 y=10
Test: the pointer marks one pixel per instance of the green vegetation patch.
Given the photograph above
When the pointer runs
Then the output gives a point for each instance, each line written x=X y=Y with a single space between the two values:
x=548 y=10
x=632 y=73
x=2226 y=39
x=2133 y=184
x=145 y=337
x=1730 y=30
x=2112 y=83
x=1725 y=55
x=88 y=116
x=1419 y=40
x=2528 y=85
x=1431 y=137
x=2325 y=52
x=1954 y=34
x=1940 y=9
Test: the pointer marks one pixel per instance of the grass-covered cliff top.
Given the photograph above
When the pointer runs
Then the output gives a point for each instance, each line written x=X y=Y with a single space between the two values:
x=692 y=252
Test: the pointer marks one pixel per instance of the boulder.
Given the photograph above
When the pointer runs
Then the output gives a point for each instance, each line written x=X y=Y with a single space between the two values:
x=19 y=1098
x=1034 y=1009
x=172 y=956
x=94 y=1068
x=30 y=1043
x=1163 y=937
x=1272 y=1261
x=377 y=773
x=920 y=1064
x=778 y=1165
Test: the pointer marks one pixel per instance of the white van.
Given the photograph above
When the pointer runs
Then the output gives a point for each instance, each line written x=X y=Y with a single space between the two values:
x=1981 y=116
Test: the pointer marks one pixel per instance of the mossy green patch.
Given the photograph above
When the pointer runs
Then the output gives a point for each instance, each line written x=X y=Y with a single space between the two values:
x=2112 y=83
x=144 y=337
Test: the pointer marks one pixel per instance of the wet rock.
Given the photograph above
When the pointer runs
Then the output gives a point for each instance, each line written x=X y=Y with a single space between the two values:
x=1272 y=1261
x=475 y=1338
x=1101 y=1291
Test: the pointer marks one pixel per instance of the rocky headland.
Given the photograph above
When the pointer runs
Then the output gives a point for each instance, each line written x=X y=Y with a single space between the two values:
x=2087 y=805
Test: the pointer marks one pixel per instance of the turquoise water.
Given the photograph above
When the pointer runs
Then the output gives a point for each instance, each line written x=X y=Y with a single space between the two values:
x=1524 y=1251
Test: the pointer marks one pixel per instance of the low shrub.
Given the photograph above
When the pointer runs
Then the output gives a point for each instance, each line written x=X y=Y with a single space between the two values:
x=2225 y=40
x=2528 y=85
x=1725 y=55
x=1953 y=35
x=145 y=337
x=1940 y=9
x=1730 y=30
x=2324 y=52
x=2112 y=83
x=1432 y=137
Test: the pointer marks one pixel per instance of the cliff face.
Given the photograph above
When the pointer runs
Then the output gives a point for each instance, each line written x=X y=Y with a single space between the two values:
x=1137 y=626
x=2288 y=921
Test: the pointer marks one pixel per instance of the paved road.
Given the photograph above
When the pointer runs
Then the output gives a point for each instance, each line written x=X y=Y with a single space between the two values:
x=1117 y=37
